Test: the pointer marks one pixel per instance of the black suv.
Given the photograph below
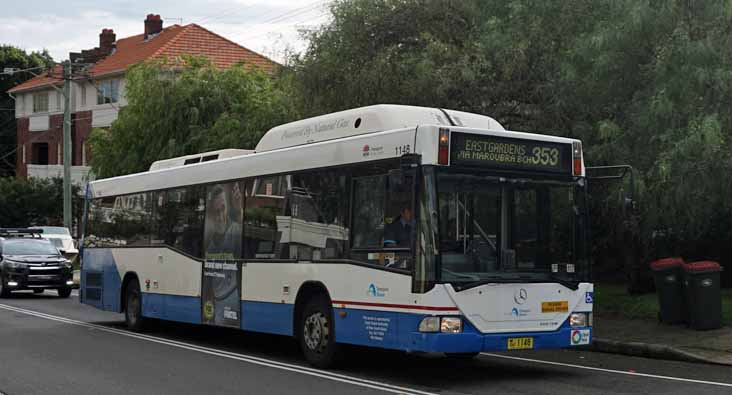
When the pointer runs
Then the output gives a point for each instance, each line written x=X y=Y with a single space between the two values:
x=28 y=261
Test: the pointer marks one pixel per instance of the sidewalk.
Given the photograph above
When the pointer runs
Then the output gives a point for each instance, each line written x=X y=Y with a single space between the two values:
x=648 y=338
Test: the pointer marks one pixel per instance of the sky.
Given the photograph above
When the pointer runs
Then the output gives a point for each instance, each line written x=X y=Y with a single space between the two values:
x=270 y=27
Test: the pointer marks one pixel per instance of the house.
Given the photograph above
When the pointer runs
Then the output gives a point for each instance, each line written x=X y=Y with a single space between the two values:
x=98 y=94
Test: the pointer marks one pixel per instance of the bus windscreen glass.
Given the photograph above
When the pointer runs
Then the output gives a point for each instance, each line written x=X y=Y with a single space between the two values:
x=522 y=231
x=509 y=153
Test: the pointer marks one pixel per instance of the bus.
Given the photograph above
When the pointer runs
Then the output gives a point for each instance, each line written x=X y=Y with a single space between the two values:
x=399 y=227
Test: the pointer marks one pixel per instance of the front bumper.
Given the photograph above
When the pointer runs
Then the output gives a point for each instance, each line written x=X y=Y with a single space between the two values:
x=470 y=340
x=37 y=278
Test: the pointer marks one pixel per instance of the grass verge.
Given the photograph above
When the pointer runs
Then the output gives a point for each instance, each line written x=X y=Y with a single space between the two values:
x=613 y=299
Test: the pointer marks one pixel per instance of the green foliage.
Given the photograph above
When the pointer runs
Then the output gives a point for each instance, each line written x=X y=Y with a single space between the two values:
x=34 y=202
x=185 y=108
x=646 y=83
x=12 y=57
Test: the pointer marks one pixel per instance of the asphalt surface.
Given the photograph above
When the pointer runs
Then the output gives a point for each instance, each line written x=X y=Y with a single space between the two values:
x=51 y=345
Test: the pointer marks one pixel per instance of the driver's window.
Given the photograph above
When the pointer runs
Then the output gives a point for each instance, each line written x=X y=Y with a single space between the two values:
x=383 y=219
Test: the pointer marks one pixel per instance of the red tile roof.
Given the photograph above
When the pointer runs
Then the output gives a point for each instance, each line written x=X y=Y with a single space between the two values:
x=171 y=43
x=52 y=76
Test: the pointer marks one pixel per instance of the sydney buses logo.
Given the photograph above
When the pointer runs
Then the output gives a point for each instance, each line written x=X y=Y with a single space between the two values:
x=376 y=291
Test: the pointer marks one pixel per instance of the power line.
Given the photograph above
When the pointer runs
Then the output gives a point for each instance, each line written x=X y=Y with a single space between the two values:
x=225 y=14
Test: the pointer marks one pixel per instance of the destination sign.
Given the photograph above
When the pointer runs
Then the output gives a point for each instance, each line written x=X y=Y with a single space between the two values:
x=504 y=152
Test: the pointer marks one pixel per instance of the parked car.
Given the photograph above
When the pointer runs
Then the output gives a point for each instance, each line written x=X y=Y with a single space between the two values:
x=28 y=261
x=61 y=238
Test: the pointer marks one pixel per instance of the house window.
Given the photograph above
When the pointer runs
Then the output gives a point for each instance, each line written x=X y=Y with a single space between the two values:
x=83 y=152
x=40 y=102
x=108 y=92
x=23 y=153
x=58 y=153
x=58 y=101
x=83 y=94
x=39 y=154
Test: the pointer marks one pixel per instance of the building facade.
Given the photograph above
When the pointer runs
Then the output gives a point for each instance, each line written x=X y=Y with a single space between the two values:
x=98 y=91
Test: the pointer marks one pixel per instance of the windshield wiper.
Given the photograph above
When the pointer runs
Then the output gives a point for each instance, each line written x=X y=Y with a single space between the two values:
x=573 y=285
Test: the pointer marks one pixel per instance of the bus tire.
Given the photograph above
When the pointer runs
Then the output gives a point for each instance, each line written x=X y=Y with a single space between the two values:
x=316 y=333
x=64 y=292
x=133 y=307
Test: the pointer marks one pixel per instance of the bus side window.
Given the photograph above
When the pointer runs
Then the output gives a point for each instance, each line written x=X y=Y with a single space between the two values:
x=179 y=216
x=266 y=224
x=120 y=221
x=369 y=198
x=317 y=211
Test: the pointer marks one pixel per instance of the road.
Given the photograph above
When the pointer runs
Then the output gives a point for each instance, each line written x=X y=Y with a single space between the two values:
x=51 y=345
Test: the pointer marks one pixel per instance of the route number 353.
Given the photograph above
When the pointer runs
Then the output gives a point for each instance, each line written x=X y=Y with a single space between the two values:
x=545 y=156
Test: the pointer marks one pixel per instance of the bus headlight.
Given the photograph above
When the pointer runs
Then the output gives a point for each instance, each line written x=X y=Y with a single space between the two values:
x=430 y=324
x=578 y=319
x=441 y=324
x=451 y=325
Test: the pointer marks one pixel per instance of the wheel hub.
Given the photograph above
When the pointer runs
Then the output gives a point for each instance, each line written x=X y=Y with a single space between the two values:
x=316 y=332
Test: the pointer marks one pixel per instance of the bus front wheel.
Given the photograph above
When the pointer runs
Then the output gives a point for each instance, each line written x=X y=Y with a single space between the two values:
x=316 y=334
x=133 y=307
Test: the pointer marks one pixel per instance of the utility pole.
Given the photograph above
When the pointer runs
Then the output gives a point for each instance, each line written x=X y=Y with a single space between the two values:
x=68 y=223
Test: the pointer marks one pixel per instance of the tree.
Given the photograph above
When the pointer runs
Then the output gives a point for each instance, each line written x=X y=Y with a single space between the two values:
x=185 y=108
x=34 y=202
x=12 y=57
x=646 y=83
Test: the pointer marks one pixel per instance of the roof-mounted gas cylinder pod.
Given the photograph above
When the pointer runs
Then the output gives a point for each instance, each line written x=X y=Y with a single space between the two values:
x=365 y=120
x=198 y=158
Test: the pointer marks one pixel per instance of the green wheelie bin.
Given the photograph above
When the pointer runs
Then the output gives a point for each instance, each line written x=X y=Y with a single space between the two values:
x=667 y=276
x=703 y=296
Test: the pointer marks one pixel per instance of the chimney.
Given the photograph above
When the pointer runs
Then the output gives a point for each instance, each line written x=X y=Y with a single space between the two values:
x=106 y=41
x=153 y=25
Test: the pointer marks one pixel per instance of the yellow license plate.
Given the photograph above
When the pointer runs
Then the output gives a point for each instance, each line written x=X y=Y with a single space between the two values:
x=520 y=343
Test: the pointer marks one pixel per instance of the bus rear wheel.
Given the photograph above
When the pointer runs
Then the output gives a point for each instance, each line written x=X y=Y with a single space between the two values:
x=133 y=307
x=316 y=334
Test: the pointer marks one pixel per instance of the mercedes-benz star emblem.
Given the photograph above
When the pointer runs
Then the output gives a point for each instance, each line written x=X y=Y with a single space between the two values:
x=520 y=296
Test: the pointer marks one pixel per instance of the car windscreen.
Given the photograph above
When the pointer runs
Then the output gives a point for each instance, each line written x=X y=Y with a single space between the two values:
x=54 y=230
x=28 y=247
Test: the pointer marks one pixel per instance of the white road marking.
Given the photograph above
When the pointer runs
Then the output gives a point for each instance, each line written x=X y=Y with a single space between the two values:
x=230 y=355
x=569 y=365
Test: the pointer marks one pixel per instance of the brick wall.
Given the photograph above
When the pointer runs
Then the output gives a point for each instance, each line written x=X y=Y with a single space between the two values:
x=22 y=134
x=81 y=122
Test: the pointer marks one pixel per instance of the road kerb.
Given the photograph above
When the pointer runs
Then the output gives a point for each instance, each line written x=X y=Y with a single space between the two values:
x=656 y=351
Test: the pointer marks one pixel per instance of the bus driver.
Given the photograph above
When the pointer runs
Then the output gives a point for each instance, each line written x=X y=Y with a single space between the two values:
x=399 y=232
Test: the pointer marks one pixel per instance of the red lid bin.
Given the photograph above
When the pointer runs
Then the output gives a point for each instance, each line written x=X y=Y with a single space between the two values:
x=666 y=263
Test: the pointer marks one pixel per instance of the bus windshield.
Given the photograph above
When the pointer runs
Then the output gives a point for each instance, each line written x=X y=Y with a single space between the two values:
x=495 y=229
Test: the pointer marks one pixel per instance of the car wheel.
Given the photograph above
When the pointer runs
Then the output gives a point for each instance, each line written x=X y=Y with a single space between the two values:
x=64 y=292
x=317 y=335
x=4 y=291
x=133 y=307
x=37 y=291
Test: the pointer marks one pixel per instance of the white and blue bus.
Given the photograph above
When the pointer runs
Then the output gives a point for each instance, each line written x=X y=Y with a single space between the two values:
x=408 y=228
